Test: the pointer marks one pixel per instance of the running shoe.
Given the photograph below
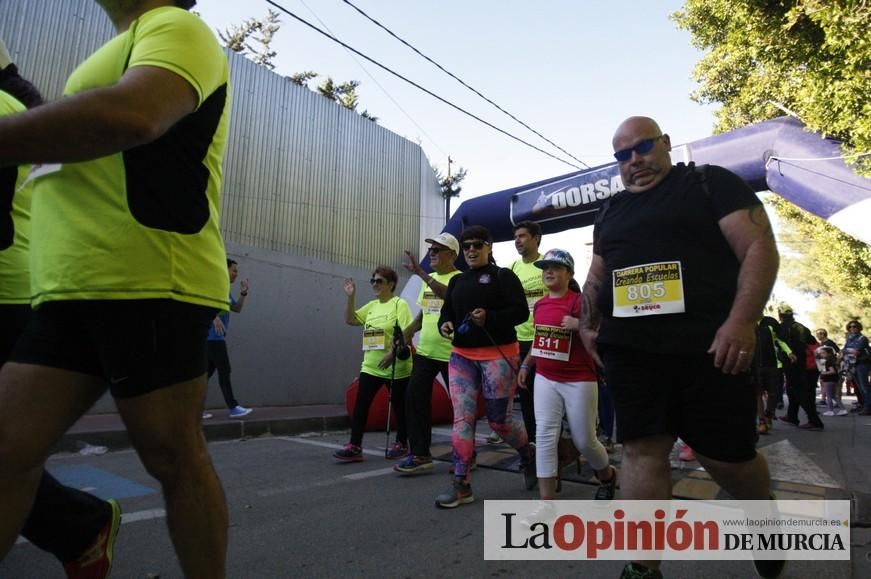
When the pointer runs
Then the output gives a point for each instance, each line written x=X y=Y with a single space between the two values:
x=414 y=464
x=607 y=489
x=828 y=413
x=686 y=453
x=769 y=569
x=96 y=561
x=349 y=453
x=809 y=426
x=460 y=493
x=494 y=438
x=843 y=412
x=763 y=427
x=239 y=412
x=396 y=451
x=788 y=420
x=207 y=415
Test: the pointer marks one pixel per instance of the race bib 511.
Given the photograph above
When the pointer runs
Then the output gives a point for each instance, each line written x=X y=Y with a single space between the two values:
x=648 y=290
x=551 y=342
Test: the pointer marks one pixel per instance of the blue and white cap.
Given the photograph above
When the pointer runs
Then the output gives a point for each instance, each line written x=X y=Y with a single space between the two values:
x=557 y=257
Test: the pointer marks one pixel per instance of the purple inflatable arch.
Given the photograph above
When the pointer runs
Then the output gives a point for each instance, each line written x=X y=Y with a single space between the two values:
x=777 y=155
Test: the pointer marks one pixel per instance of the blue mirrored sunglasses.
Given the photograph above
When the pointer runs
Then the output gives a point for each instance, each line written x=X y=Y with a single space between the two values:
x=641 y=148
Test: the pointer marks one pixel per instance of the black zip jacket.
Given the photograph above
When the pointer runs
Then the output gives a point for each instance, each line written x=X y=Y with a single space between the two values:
x=495 y=289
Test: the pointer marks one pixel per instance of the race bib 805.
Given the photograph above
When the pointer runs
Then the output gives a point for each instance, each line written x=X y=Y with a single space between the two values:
x=648 y=290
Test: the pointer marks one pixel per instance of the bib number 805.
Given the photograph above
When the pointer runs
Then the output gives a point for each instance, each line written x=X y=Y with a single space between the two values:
x=646 y=291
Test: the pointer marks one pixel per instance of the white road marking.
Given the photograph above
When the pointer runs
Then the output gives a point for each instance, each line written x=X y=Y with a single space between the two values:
x=325 y=444
x=789 y=464
x=145 y=515
x=369 y=474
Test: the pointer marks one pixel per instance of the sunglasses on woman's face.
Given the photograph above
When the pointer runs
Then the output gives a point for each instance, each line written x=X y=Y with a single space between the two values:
x=467 y=245
x=377 y=280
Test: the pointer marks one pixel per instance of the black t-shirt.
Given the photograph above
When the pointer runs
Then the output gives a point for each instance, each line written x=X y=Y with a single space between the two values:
x=497 y=290
x=798 y=338
x=678 y=220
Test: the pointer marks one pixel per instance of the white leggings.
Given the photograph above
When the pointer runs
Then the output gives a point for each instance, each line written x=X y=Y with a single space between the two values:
x=580 y=402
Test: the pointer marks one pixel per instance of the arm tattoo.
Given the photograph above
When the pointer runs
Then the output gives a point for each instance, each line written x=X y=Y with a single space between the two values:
x=589 y=317
x=759 y=218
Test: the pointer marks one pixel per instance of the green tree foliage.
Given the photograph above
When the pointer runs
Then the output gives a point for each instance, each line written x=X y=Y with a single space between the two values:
x=302 y=78
x=450 y=184
x=344 y=94
x=826 y=263
x=261 y=31
x=813 y=58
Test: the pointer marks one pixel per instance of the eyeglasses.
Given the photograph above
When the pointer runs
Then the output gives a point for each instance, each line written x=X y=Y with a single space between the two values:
x=641 y=148
x=435 y=250
x=377 y=280
x=467 y=245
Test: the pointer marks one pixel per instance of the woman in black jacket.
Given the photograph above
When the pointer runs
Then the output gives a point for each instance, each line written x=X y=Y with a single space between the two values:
x=481 y=308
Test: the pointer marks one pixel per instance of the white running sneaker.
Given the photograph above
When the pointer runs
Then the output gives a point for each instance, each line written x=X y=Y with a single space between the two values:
x=828 y=413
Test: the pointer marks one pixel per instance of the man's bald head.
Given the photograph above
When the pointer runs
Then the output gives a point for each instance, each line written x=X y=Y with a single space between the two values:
x=645 y=167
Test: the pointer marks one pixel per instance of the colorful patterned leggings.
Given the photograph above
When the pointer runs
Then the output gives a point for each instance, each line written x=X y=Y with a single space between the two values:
x=496 y=380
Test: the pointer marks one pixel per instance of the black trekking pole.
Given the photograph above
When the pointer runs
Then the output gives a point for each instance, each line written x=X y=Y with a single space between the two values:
x=401 y=351
x=390 y=402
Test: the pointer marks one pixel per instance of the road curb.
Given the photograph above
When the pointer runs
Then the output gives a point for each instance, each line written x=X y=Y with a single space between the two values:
x=214 y=430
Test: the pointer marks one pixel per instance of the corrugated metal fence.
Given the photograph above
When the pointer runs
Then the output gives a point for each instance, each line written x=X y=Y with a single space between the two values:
x=302 y=174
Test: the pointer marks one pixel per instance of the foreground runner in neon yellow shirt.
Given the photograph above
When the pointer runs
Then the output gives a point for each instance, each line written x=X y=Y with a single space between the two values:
x=127 y=251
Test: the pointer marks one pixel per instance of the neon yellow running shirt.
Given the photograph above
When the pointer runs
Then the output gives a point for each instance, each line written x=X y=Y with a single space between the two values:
x=143 y=223
x=431 y=343
x=378 y=320
x=14 y=223
x=534 y=288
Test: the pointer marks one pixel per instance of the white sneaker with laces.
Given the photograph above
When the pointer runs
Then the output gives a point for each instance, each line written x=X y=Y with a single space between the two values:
x=828 y=413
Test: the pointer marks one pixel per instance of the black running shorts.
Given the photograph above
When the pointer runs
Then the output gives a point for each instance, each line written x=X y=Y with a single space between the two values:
x=137 y=346
x=682 y=395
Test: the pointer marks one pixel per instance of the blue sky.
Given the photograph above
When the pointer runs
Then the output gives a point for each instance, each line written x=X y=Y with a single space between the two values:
x=570 y=69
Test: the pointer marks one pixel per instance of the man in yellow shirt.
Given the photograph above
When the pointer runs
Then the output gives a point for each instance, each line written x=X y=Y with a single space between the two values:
x=433 y=349
x=126 y=250
x=527 y=238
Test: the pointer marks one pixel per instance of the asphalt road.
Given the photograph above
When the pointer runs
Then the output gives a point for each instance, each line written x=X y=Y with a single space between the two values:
x=294 y=512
